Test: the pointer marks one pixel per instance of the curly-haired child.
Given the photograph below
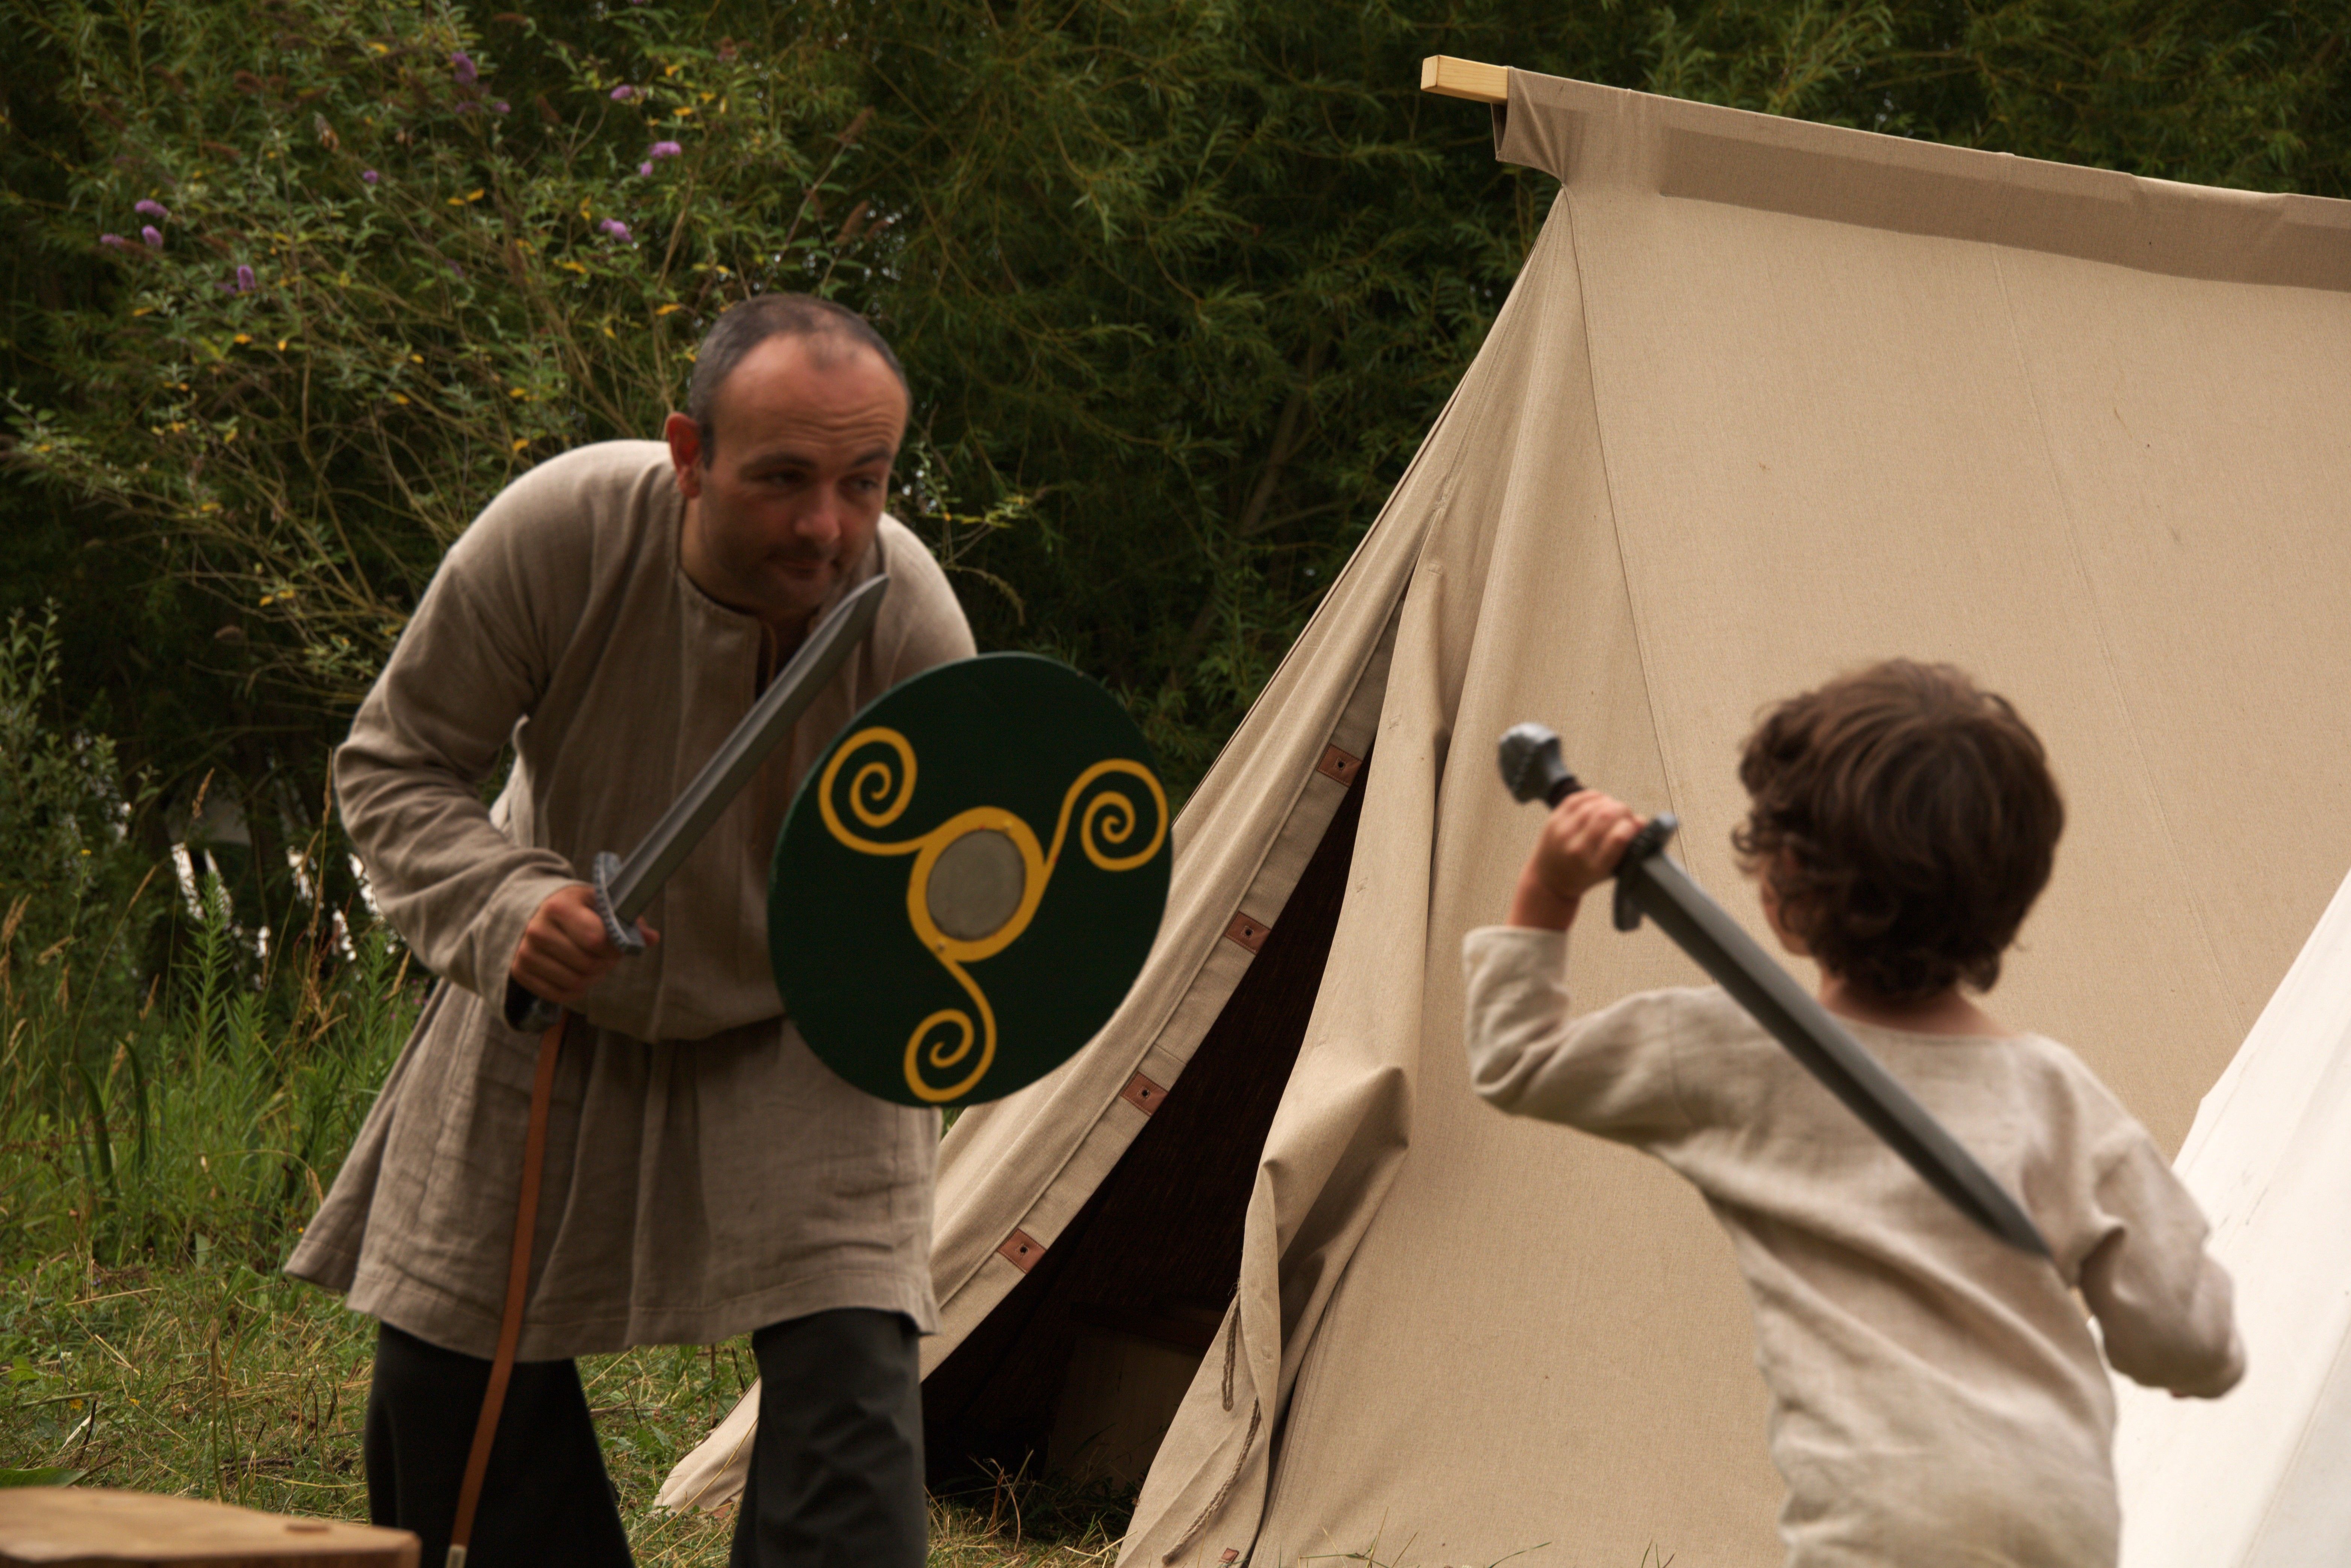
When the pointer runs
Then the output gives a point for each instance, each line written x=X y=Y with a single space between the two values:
x=1936 y=1397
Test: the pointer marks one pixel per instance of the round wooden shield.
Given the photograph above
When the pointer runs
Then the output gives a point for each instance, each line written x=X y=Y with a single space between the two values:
x=968 y=880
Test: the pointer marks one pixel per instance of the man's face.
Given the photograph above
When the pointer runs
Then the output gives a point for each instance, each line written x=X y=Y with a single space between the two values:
x=806 y=430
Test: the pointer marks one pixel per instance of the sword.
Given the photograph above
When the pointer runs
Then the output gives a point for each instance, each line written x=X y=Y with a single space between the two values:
x=1648 y=883
x=624 y=887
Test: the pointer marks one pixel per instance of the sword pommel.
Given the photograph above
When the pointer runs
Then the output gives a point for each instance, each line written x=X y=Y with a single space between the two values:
x=1531 y=767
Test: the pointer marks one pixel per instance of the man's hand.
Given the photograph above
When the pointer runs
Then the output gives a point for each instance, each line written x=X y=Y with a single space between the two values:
x=564 y=949
x=1582 y=842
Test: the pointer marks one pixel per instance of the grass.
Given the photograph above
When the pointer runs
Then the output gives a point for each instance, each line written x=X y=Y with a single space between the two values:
x=152 y=1180
x=245 y=1387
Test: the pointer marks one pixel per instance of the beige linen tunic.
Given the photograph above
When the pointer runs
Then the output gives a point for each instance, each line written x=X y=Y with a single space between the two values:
x=706 y=1175
x=1937 y=1396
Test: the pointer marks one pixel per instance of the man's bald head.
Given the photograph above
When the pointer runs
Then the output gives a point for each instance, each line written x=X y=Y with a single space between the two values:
x=826 y=329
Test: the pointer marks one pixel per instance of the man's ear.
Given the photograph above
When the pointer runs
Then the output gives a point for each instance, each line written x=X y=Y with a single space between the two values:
x=685 y=438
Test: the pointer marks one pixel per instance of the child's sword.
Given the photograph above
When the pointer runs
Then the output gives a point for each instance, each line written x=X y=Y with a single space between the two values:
x=1648 y=883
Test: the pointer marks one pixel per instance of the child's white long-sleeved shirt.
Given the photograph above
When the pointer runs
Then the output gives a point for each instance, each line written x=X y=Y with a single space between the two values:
x=1937 y=1396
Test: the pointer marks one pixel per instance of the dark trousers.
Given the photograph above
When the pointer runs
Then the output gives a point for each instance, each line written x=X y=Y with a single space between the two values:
x=836 y=1473
x=545 y=1498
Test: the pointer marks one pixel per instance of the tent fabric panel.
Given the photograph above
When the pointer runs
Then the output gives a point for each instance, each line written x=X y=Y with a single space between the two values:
x=1862 y=437
x=1454 y=1393
x=2139 y=381
x=1927 y=524
x=1830 y=173
x=1518 y=611
x=1924 y=515
x=2256 y=1480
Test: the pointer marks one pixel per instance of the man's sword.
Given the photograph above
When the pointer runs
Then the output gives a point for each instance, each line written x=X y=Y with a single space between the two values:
x=1648 y=883
x=624 y=887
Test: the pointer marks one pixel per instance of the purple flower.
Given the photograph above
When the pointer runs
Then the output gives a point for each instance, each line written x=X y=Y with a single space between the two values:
x=370 y=176
x=616 y=228
x=644 y=168
x=456 y=271
x=664 y=150
x=623 y=93
x=462 y=64
x=153 y=236
x=117 y=241
x=501 y=107
x=155 y=210
x=467 y=107
x=244 y=284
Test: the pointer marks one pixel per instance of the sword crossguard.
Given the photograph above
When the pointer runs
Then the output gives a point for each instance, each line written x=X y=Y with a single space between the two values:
x=1649 y=841
x=626 y=937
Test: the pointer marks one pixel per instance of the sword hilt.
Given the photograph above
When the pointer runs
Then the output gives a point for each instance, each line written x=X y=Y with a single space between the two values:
x=532 y=1014
x=1534 y=770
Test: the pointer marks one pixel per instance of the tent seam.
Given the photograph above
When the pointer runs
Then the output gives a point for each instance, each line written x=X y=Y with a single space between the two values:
x=2107 y=649
x=1615 y=520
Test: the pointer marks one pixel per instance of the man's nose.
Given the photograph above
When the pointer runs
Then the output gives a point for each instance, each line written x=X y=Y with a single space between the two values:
x=820 y=521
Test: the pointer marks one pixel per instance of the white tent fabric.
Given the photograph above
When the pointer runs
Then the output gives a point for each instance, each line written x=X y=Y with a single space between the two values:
x=1768 y=400
x=2262 y=1479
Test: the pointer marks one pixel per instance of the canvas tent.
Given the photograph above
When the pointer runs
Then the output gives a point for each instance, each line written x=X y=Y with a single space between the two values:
x=1768 y=400
x=2262 y=1479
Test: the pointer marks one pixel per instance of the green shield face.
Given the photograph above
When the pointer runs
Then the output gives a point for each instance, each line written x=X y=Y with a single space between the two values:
x=968 y=880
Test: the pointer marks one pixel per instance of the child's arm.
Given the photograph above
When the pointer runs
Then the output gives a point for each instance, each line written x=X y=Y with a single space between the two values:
x=2163 y=1303
x=1611 y=1074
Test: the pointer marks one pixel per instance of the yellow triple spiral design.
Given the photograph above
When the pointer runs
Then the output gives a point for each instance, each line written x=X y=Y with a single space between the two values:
x=879 y=793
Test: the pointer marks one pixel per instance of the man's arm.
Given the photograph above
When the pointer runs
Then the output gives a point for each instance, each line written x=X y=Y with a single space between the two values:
x=473 y=661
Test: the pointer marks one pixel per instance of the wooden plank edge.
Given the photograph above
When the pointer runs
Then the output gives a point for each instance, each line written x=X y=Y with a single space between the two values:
x=1472 y=79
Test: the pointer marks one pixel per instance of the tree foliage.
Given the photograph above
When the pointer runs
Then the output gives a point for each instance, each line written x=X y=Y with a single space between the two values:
x=1179 y=283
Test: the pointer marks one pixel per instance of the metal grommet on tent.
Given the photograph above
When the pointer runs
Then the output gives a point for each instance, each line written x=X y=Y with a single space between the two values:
x=1340 y=764
x=1142 y=1095
x=1022 y=1250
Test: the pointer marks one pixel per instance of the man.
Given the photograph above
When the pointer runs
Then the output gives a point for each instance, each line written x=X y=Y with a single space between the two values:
x=612 y=615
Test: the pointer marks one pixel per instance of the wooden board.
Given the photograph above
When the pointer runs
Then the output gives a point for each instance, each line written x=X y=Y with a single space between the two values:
x=67 y=1525
x=1472 y=79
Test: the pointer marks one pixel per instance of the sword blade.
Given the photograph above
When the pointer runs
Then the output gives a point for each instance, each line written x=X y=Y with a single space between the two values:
x=1721 y=947
x=820 y=657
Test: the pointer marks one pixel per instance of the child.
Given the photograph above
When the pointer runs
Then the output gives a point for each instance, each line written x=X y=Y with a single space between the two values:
x=1936 y=1397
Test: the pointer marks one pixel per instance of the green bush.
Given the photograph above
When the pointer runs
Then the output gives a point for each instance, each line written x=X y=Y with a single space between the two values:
x=362 y=287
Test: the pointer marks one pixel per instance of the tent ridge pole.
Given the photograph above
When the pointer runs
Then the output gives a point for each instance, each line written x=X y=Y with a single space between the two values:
x=1472 y=79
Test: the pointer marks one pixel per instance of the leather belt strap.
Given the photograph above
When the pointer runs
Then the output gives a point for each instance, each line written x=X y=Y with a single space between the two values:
x=526 y=1226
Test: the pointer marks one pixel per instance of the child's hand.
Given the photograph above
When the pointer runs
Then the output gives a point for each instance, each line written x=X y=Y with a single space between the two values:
x=1582 y=842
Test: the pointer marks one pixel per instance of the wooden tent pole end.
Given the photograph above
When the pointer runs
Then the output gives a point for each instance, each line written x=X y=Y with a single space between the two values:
x=1472 y=79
